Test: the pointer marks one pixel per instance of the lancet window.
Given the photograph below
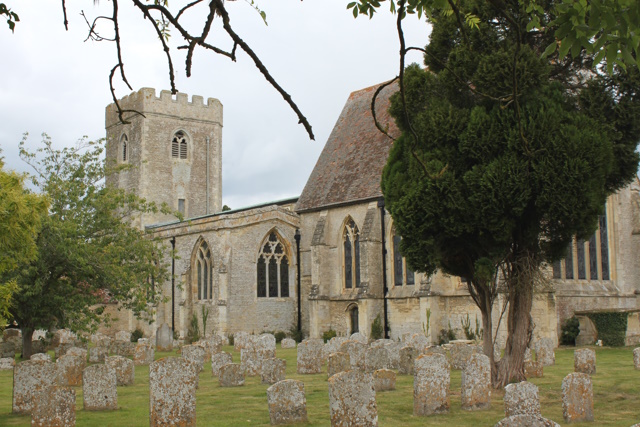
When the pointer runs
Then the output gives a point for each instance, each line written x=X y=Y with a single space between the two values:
x=402 y=274
x=273 y=268
x=179 y=145
x=124 y=146
x=203 y=271
x=351 y=252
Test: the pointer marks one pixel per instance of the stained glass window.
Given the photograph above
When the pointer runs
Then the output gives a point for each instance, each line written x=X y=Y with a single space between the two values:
x=273 y=268
x=203 y=268
x=351 y=250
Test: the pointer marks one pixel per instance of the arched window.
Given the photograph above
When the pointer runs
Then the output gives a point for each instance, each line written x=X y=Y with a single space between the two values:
x=273 y=268
x=203 y=271
x=124 y=146
x=354 y=319
x=351 y=250
x=179 y=145
x=402 y=274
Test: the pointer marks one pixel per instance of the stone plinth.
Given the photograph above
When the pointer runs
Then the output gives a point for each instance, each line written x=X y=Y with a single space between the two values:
x=287 y=402
x=431 y=385
x=99 y=390
x=172 y=392
x=577 y=398
x=352 y=400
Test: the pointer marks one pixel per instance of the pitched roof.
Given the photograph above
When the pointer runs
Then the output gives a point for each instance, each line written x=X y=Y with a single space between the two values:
x=350 y=166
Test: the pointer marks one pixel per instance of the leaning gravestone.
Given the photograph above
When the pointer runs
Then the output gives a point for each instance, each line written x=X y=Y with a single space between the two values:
x=164 y=338
x=143 y=354
x=70 y=370
x=99 y=391
x=384 y=379
x=577 y=398
x=172 y=392
x=287 y=402
x=125 y=372
x=54 y=407
x=408 y=356
x=521 y=399
x=310 y=356
x=218 y=360
x=194 y=353
x=231 y=375
x=544 y=352
x=376 y=358
x=288 y=343
x=273 y=370
x=352 y=399
x=337 y=362
x=431 y=385
x=476 y=383
x=584 y=360
x=636 y=357
x=28 y=378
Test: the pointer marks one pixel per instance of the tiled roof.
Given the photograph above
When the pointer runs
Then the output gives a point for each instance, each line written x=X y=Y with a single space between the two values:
x=350 y=166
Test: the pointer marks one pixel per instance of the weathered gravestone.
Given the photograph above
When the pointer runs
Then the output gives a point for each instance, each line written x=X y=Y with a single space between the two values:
x=7 y=363
x=172 y=392
x=267 y=344
x=476 y=383
x=577 y=398
x=123 y=336
x=41 y=356
x=231 y=375
x=273 y=370
x=251 y=360
x=7 y=350
x=103 y=341
x=359 y=337
x=418 y=341
x=143 y=354
x=332 y=346
x=164 y=338
x=408 y=356
x=218 y=360
x=356 y=352
x=287 y=402
x=431 y=385
x=352 y=400
x=288 y=343
x=70 y=370
x=208 y=348
x=533 y=369
x=526 y=421
x=384 y=379
x=636 y=357
x=99 y=391
x=584 y=360
x=28 y=378
x=434 y=349
x=97 y=354
x=61 y=349
x=338 y=362
x=125 y=371
x=545 y=352
x=240 y=340
x=521 y=399
x=460 y=354
x=376 y=358
x=310 y=356
x=194 y=353
x=122 y=348
x=54 y=407
x=78 y=352
x=394 y=353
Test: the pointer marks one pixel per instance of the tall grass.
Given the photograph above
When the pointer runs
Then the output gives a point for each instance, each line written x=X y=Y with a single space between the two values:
x=616 y=391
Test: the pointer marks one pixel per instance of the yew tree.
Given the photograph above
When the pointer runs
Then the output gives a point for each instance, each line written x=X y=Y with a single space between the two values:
x=88 y=252
x=505 y=155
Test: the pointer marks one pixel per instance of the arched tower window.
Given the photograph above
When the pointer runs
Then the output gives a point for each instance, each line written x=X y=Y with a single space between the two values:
x=351 y=251
x=273 y=268
x=179 y=145
x=203 y=271
x=402 y=274
x=354 y=319
x=124 y=147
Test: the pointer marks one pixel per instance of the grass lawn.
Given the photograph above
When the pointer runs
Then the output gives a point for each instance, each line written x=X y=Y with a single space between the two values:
x=616 y=390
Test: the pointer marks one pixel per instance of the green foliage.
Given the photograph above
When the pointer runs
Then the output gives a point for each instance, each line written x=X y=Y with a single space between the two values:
x=225 y=208
x=231 y=339
x=611 y=327
x=425 y=327
x=469 y=332
x=88 y=253
x=295 y=334
x=327 y=335
x=570 y=331
x=193 y=333
x=12 y=17
x=446 y=335
x=280 y=335
x=205 y=317
x=136 y=335
x=377 y=330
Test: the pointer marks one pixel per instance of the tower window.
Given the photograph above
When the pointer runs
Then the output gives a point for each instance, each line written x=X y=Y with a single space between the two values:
x=124 y=146
x=181 y=207
x=179 y=145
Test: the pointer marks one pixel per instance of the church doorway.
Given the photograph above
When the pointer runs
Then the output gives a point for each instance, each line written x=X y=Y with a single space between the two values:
x=354 y=320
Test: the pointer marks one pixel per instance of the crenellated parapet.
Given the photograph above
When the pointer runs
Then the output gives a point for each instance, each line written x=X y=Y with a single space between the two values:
x=146 y=102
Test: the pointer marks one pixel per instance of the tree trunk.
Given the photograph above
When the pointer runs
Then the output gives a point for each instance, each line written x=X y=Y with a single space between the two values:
x=487 y=335
x=511 y=366
x=27 y=340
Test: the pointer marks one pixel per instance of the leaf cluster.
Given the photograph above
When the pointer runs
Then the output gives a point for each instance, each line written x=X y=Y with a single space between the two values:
x=12 y=17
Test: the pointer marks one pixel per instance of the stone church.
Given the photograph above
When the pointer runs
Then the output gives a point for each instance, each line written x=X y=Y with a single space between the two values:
x=328 y=259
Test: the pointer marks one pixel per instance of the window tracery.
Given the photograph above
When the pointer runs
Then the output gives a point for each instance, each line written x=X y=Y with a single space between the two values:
x=402 y=273
x=124 y=145
x=179 y=145
x=273 y=268
x=351 y=251
x=203 y=271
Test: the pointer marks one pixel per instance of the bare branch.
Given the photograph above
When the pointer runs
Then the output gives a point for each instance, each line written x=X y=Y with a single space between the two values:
x=373 y=107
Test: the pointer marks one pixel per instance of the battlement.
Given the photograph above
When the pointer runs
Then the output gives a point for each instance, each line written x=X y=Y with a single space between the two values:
x=146 y=102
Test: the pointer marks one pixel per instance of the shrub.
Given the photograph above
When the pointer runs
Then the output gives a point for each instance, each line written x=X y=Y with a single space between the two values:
x=446 y=335
x=136 y=335
x=570 y=331
x=377 y=331
x=280 y=335
x=295 y=334
x=231 y=342
x=611 y=327
x=327 y=335
x=193 y=333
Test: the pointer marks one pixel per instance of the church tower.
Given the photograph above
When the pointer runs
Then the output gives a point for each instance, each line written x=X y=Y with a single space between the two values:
x=173 y=148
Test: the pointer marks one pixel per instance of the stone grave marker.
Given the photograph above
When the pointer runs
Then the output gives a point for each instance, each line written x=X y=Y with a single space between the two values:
x=476 y=383
x=46 y=357
x=526 y=421
x=97 y=354
x=273 y=370
x=356 y=351
x=194 y=353
x=376 y=358
x=584 y=360
x=408 y=357
x=521 y=399
x=577 y=398
x=545 y=352
x=164 y=338
x=636 y=357
x=99 y=391
x=310 y=359
x=338 y=362
x=460 y=354
x=125 y=372
x=70 y=370
x=54 y=406
x=288 y=343
x=123 y=336
x=29 y=377
x=287 y=402
x=231 y=375
x=431 y=385
x=352 y=399
x=7 y=363
x=143 y=354
x=172 y=392
x=359 y=337
x=218 y=360
x=384 y=379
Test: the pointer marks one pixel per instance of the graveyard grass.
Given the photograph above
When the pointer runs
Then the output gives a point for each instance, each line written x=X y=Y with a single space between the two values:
x=616 y=394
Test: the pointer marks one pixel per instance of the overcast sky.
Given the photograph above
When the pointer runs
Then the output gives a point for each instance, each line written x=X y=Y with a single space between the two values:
x=52 y=81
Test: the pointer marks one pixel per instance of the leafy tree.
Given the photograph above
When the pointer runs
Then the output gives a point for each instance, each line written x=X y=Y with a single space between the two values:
x=88 y=252
x=20 y=215
x=505 y=156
